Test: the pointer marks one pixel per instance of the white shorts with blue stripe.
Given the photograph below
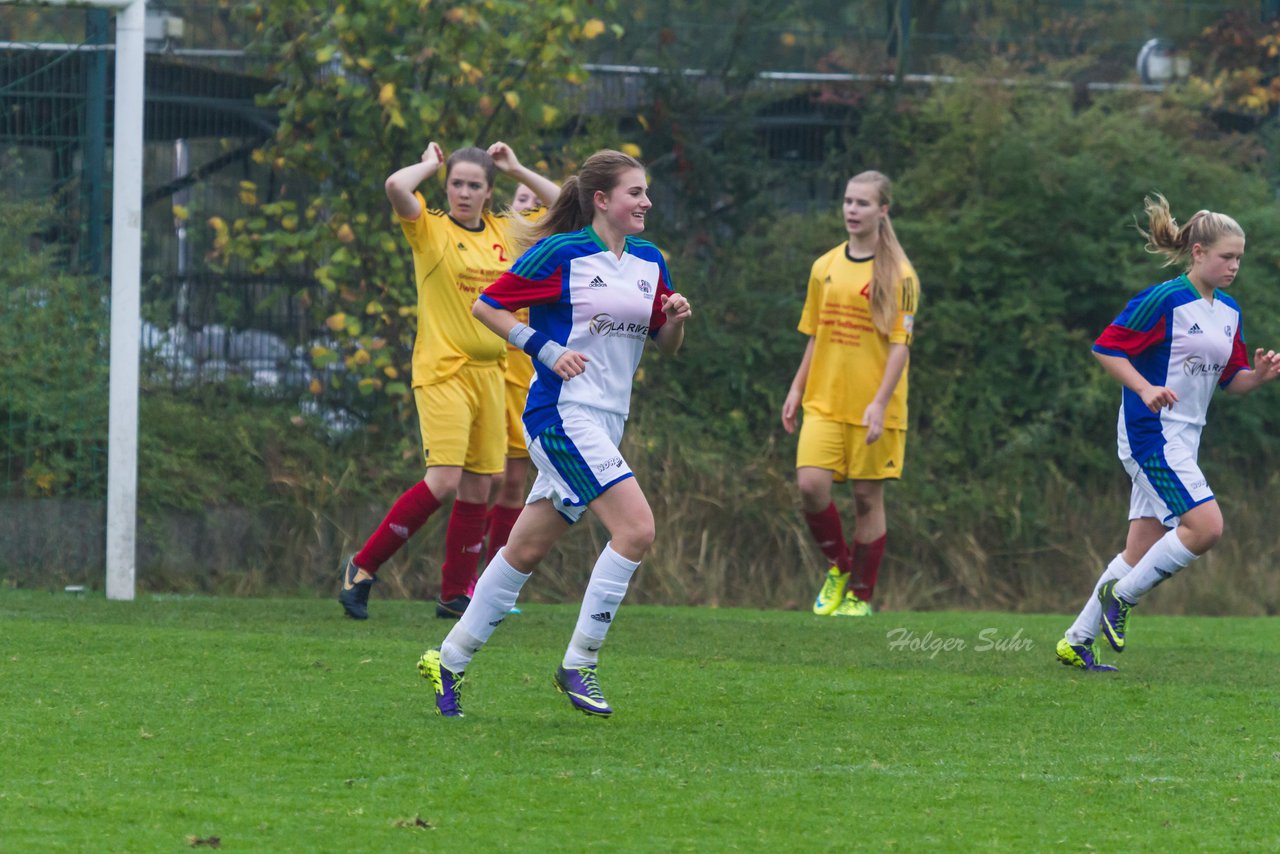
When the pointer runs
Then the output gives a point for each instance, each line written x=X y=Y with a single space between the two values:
x=577 y=459
x=1169 y=482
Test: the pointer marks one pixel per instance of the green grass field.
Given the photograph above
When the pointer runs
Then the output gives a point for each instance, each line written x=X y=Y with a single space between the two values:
x=277 y=725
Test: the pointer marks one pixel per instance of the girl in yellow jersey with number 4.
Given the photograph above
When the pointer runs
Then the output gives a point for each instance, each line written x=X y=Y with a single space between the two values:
x=852 y=385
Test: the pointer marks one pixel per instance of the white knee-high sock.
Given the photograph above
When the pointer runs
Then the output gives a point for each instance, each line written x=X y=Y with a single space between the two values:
x=494 y=596
x=1164 y=559
x=1085 y=628
x=608 y=584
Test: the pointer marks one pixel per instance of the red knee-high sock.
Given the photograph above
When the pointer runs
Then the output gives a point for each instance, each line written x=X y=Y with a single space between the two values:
x=866 y=567
x=463 y=541
x=402 y=521
x=501 y=520
x=829 y=535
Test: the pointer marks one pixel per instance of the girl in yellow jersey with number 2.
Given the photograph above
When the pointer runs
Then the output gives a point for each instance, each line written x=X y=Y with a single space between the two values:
x=457 y=364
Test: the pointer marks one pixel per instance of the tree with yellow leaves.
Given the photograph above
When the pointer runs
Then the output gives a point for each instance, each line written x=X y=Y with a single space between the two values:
x=366 y=84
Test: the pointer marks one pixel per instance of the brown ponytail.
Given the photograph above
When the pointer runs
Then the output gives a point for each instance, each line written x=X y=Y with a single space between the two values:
x=574 y=208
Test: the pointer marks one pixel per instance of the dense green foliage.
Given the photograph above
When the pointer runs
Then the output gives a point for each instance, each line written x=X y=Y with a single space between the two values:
x=277 y=725
x=53 y=369
x=1018 y=211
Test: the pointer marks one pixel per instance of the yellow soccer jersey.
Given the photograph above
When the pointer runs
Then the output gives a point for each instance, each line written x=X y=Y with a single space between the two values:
x=519 y=364
x=452 y=265
x=849 y=355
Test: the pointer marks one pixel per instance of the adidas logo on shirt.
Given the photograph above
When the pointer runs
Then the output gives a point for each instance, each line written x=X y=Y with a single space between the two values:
x=603 y=617
x=1195 y=330
x=598 y=282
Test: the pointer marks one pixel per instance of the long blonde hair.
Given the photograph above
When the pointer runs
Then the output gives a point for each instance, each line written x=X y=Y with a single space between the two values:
x=891 y=259
x=1165 y=237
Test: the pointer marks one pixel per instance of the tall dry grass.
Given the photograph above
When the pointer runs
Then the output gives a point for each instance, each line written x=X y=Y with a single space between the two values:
x=729 y=534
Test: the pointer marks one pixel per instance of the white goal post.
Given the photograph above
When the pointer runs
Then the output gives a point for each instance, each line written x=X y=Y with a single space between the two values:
x=126 y=299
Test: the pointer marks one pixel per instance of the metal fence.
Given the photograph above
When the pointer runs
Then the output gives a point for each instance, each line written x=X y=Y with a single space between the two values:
x=201 y=126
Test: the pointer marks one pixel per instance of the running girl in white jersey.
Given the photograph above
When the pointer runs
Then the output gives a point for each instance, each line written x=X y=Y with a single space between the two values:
x=1169 y=348
x=595 y=292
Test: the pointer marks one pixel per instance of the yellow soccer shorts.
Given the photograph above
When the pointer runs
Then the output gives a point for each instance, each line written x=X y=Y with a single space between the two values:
x=463 y=420
x=516 y=396
x=843 y=449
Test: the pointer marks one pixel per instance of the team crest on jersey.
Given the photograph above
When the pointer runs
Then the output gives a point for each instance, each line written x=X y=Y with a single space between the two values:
x=908 y=322
x=645 y=288
x=1227 y=329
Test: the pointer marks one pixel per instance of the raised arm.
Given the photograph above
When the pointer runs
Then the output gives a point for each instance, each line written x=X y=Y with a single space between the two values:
x=402 y=183
x=508 y=164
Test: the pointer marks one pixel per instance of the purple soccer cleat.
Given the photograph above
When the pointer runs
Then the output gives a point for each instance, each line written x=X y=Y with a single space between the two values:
x=580 y=686
x=1115 y=615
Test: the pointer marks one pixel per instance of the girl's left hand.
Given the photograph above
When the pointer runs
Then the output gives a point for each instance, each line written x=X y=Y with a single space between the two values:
x=1267 y=364
x=676 y=308
x=503 y=157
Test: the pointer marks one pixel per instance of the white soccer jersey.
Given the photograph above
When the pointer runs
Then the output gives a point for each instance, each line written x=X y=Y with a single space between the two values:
x=586 y=298
x=1177 y=339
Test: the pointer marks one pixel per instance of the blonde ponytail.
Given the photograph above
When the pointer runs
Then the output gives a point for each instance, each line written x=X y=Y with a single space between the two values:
x=1165 y=237
x=891 y=259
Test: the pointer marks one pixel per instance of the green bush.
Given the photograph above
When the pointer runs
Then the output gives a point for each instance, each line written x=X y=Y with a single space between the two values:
x=53 y=363
x=1017 y=207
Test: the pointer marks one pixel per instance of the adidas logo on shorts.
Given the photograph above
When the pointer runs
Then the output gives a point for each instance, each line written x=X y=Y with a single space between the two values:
x=598 y=282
